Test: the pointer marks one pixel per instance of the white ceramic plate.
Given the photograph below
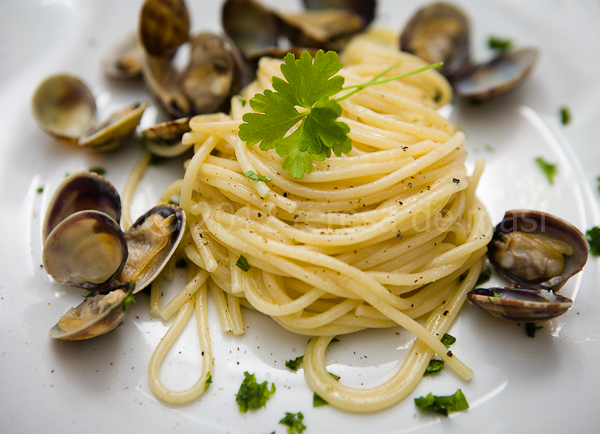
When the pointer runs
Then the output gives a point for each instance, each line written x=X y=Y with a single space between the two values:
x=547 y=384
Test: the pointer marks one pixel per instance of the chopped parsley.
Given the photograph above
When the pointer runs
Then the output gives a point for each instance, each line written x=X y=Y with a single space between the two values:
x=531 y=328
x=500 y=44
x=309 y=85
x=593 y=237
x=448 y=340
x=40 y=189
x=488 y=148
x=484 y=277
x=294 y=422
x=130 y=299
x=565 y=115
x=253 y=395
x=243 y=264
x=294 y=364
x=256 y=177
x=335 y=377
x=318 y=401
x=549 y=169
x=598 y=181
x=442 y=404
x=208 y=381
x=98 y=170
x=435 y=365
x=335 y=339
x=173 y=202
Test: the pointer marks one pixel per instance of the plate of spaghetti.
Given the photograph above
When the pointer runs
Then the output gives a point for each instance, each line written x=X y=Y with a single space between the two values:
x=310 y=299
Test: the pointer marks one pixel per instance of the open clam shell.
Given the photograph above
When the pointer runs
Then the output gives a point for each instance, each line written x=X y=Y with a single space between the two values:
x=95 y=316
x=63 y=107
x=123 y=60
x=87 y=250
x=520 y=304
x=503 y=73
x=439 y=32
x=115 y=130
x=514 y=262
x=164 y=26
x=151 y=241
x=81 y=191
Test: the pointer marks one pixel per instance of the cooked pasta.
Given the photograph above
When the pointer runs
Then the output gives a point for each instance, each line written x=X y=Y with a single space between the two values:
x=389 y=234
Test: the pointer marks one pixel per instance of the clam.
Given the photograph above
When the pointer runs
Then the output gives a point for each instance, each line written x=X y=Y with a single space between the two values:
x=520 y=304
x=537 y=250
x=503 y=73
x=251 y=26
x=81 y=191
x=364 y=8
x=64 y=107
x=87 y=249
x=537 y=253
x=166 y=138
x=123 y=60
x=439 y=32
x=215 y=70
x=95 y=316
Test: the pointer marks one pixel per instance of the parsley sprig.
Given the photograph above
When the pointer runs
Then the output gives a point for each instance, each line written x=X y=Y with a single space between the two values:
x=308 y=85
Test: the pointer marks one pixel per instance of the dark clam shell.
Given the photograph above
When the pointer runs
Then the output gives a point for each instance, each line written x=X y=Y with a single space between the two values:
x=87 y=250
x=79 y=192
x=439 y=32
x=537 y=222
x=501 y=74
x=520 y=304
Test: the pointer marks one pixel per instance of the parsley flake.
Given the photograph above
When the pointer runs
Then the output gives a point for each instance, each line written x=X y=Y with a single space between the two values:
x=565 y=115
x=593 y=237
x=484 y=277
x=98 y=170
x=435 y=365
x=256 y=177
x=549 y=169
x=253 y=395
x=448 y=340
x=294 y=364
x=242 y=263
x=531 y=328
x=40 y=189
x=208 y=381
x=335 y=377
x=294 y=422
x=318 y=401
x=442 y=404
x=308 y=85
x=500 y=44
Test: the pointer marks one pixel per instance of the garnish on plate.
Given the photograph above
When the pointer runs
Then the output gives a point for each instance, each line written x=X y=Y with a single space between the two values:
x=253 y=395
x=442 y=404
x=549 y=169
x=309 y=86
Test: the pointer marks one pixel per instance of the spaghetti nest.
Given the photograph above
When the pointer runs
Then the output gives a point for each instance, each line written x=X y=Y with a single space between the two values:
x=387 y=234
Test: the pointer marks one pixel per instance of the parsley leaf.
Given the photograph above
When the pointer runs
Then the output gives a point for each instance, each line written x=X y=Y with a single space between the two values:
x=593 y=237
x=40 y=189
x=500 y=44
x=335 y=377
x=318 y=401
x=208 y=381
x=435 y=365
x=294 y=422
x=253 y=395
x=256 y=177
x=531 y=328
x=294 y=364
x=242 y=263
x=442 y=404
x=448 y=340
x=308 y=85
x=549 y=169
